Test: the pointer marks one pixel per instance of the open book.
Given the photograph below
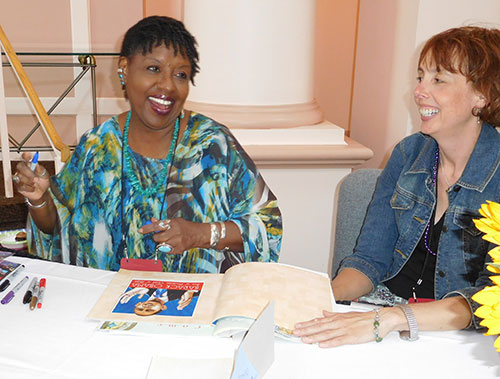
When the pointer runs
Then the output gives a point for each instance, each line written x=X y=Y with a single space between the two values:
x=223 y=303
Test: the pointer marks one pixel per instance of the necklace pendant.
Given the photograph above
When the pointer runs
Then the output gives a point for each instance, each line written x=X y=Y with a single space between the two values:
x=123 y=248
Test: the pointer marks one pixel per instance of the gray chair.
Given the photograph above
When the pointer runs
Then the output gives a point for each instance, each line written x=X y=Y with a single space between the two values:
x=354 y=195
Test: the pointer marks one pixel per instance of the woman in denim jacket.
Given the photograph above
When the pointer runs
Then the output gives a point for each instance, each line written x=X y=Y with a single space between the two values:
x=418 y=241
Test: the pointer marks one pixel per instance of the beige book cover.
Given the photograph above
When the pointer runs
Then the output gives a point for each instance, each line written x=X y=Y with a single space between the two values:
x=241 y=293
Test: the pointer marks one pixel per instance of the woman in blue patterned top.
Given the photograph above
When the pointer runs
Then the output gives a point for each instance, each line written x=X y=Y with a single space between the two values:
x=156 y=181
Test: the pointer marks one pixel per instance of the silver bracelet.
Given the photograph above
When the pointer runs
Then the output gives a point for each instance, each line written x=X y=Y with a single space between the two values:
x=214 y=235
x=412 y=334
x=41 y=205
x=222 y=229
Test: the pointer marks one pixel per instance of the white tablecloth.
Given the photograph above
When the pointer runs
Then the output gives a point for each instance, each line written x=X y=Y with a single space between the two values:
x=59 y=342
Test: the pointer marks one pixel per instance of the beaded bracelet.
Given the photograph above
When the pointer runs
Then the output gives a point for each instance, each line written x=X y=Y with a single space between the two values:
x=376 y=324
x=41 y=205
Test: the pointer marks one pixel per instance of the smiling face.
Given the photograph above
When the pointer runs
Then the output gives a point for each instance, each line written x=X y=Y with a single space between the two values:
x=149 y=307
x=445 y=101
x=157 y=85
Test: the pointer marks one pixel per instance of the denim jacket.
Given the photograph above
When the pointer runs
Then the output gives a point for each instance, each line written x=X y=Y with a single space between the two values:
x=403 y=204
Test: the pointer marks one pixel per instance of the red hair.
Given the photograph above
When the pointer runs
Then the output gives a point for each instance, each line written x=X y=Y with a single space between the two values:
x=474 y=52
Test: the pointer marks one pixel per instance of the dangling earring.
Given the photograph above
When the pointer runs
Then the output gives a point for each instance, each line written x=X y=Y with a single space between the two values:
x=477 y=113
x=182 y=114
x=120 y=75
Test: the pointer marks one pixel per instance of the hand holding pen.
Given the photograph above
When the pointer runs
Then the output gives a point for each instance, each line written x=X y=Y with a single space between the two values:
x=31 y=180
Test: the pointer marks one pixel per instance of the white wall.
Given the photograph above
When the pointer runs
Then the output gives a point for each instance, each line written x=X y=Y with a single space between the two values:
x=382 y=81
x=390 y=36
x=458 y=13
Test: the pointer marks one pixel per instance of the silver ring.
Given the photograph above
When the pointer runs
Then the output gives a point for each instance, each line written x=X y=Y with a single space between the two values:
x=16 y=179
x=43 y=174
x=164 y=247
x=165 y=224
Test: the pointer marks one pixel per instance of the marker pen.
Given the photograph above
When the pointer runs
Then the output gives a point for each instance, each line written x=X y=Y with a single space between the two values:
x=34 y=162
x=34 y=297
x=29 y=292
x=6 y=282
x=42 y=291
x=7 y=298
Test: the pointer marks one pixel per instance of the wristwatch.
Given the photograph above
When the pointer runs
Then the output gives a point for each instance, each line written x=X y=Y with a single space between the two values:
x=412 y=334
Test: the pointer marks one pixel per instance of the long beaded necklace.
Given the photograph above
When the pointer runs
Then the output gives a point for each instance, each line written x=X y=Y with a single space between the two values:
x=134 y=180
x=434 y=182
x=127 y=168
x=427 y=229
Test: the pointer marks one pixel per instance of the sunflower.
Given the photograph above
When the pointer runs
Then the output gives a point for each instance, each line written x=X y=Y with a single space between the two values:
x=489 y=297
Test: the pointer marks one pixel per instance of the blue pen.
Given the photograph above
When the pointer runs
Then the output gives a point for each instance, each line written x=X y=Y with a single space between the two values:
x=34 y=162
x=7 y=298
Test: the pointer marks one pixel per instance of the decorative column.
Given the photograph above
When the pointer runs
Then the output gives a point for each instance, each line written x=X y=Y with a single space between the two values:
x=256 y=61
x=256 y=77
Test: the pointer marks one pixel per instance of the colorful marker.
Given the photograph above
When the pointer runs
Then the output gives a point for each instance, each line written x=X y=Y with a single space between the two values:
x=34 y=162
x=42 y=291
x=7 y=298
x=29 y=293
x=34 y=297
x=6 y=282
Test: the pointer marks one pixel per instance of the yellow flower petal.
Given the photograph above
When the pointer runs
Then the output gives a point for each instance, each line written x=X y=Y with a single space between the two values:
x=495 y=279
x=492 y=325
x=495 y=254
x=488 y=296
x=483 y=311
x=483 y=211
x=497 y=344
x=486 y=225
x=494 y=210
x=489 y=223
x=493 y=268
x=493 y=238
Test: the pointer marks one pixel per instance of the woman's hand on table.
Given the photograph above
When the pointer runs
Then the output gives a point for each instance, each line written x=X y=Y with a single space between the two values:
x=31 y=184
x=335 y=329
x=179 y=234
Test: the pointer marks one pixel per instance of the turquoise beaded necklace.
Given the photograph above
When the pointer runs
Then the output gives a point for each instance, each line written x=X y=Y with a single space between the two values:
x=127 y=169
x=134 y=180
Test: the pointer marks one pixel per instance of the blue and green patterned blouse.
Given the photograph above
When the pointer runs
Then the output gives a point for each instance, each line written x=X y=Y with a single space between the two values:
x=211 y=179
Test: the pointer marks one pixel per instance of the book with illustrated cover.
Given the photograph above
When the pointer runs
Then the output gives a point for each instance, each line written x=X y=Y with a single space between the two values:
x=4 y=254
x=7 y=268
x=145 y=297
x=226 y=303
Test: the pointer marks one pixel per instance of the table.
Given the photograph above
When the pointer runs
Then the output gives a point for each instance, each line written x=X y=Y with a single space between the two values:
x=59 y=342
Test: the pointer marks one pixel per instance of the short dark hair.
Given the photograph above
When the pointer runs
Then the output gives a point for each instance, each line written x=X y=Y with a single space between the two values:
x=154 y=31
x=474 y=52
